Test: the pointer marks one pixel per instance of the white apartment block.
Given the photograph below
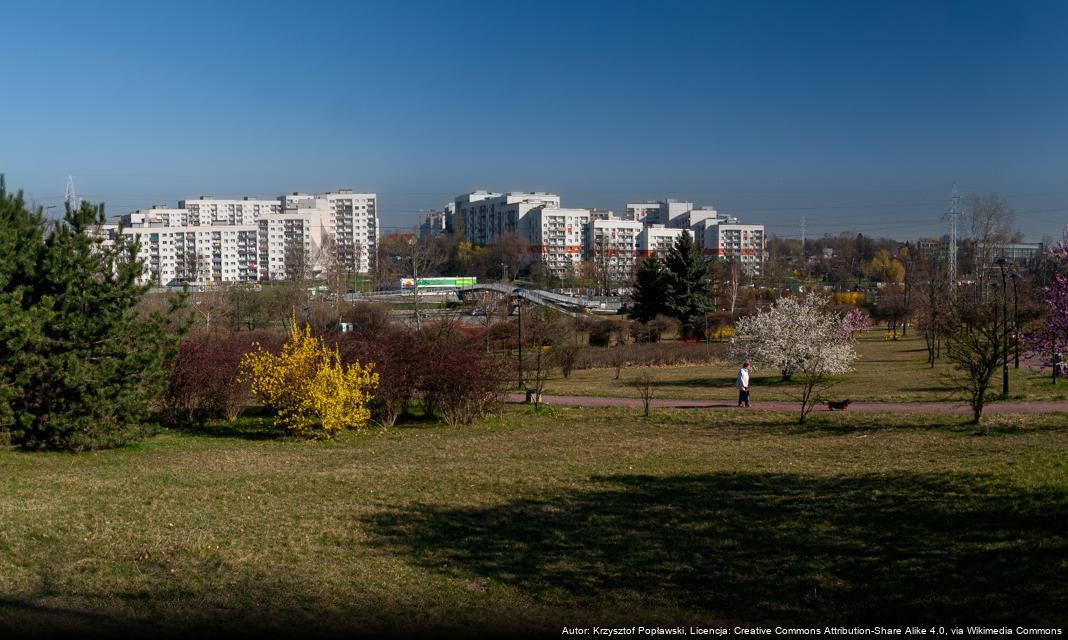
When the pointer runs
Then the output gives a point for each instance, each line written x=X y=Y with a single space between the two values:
x=560 y=238
x=557 y=237
x=485 y=216
x=671 y=209
x=657 y=239
x=715 y=233
x=612 y=246
x=437 y=222
x=743 y=242
x=212 y=240
x=207 y=210
x=648 y=212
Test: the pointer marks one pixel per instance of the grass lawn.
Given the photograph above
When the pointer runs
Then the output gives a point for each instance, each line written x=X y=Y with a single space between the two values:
x=887 y=370
x=531 y=521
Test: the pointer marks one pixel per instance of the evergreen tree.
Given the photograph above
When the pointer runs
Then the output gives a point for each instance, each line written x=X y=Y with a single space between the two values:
x=82 y=367
x=20 y=253
x=648 y=291
x=687 y=287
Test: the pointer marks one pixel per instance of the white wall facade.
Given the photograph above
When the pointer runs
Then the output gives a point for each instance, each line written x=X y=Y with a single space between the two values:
x=743 y=242
x=612 y=246
x=657 y=239
x=557 y=237
x=210 y=240
x=487 y=216
x=648 y=212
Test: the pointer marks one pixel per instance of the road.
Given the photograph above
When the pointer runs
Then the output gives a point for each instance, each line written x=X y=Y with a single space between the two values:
x=1043 y=406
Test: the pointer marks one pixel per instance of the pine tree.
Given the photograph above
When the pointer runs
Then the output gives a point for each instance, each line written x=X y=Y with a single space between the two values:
x=648 y=291
x=687 y=287
x=20 y=326
x=82 y=366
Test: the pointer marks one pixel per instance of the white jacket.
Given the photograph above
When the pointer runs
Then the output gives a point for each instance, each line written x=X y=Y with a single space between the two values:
x=743 y=379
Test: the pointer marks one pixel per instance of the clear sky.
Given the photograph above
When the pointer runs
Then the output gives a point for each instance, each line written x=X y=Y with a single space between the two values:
x=858 y=115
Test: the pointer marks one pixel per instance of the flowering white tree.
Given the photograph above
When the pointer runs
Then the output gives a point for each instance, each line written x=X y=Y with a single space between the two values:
x=798 y=338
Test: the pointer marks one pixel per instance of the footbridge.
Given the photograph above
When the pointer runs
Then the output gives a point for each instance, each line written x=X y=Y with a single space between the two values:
x=571 y=305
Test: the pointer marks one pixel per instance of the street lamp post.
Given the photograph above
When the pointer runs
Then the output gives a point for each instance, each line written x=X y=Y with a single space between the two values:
x=519 y=305
x=1015 y=320
x=1002 y=263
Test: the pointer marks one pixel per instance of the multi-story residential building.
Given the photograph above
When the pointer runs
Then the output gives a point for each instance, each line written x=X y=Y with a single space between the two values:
x=217 y=240
x=349 y=220
x=437 y=222
x=602 y=214
x=207 y=210
x=743 y=242
x=486 y=216
x=612 y=246
x=693 y=217
x=646 y=228
x=178 y=253
x=657 y=239
x=648 y=212
x=671 y=209
x=557 y=237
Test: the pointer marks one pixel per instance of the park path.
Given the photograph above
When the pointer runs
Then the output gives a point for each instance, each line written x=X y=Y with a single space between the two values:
x=1038 y=406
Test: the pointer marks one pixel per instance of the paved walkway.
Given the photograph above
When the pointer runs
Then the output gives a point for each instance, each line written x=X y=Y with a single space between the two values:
x=1038 y=406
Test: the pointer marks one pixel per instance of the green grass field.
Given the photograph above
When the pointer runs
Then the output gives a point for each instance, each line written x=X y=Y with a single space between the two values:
x=887 y=370
x=532 y=521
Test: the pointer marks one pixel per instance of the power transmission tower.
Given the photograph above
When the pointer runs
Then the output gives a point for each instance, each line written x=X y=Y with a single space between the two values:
x=802 y=238
x=953 y=215
x=70 y=197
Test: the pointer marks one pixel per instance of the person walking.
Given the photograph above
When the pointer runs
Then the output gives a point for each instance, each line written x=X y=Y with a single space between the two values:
x=742 y=383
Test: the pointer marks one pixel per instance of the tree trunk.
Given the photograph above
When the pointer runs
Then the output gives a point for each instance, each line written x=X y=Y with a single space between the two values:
x=977 y=404
x=1053 y=359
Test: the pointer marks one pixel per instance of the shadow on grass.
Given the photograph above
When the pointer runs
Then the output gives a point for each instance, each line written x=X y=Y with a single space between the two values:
x=252 y=425
x=905 y=547
x=251 y=606
x=258 y=424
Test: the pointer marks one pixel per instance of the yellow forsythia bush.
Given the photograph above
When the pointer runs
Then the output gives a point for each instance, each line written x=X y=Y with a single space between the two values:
x=722 y=333
x=849 y=297
x=307 y=382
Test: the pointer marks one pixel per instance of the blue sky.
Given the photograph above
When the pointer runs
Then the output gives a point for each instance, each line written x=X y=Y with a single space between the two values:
x=857 y=115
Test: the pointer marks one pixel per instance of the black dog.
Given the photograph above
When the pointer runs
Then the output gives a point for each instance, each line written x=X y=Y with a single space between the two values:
x=838 y=406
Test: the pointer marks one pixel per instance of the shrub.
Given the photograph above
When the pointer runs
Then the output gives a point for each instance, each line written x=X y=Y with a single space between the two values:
x=465 y=382
x=652 y=355
x=449 y=369
x=401 y=360
x=370 y=319
x=566 y=356
x=502 y=335
x=653 y=330
x=307 y=381
x=204 y=382
x=602 y=331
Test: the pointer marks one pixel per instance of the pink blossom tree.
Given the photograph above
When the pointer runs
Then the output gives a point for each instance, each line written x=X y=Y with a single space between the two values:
x=1053 y=335
x=854 y=322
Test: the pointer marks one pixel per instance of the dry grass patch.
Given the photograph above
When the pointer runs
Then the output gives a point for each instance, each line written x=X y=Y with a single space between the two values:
x=539 y=519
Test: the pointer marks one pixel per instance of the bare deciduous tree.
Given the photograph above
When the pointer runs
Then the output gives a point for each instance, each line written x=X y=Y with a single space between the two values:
x=975 y=346
x=336 y=271
x=990 y=221
x=644 y=384
x=733 y=274
x=931 y=290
